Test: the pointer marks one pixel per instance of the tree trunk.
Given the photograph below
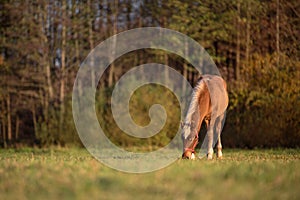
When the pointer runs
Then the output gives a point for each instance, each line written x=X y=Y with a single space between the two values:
x=3 y=127
x=185 y=67
x=166 y=58
x=166 y=72
x=114 y=45
x=49 y=81
x=237 y=64
x=47 y=95
x=9 y=125
x=248 y=26
x=63 y=68
x=17 y=127
x=277 y=33
x=91 y=42
x=76 y=40
x=34 y=122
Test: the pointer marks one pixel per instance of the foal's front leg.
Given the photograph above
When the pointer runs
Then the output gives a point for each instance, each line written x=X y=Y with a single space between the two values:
x=219 y=148
x=210 y=154
x=219 y=124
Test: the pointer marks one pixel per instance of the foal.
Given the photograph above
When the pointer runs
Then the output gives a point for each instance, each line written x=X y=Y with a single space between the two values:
x=209 y=103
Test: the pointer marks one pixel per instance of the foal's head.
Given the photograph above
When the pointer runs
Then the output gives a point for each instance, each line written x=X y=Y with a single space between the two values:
x=189 y=138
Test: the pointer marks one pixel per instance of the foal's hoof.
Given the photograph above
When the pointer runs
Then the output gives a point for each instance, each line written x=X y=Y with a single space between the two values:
x=209 y=156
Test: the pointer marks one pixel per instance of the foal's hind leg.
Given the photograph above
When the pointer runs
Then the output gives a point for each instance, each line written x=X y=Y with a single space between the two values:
x=219 y=148
x=219 y=127
x=214 y=134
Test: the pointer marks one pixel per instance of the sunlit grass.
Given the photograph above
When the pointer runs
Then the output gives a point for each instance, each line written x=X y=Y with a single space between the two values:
x=75 y=174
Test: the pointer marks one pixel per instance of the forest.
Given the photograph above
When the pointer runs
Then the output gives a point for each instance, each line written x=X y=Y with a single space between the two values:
x=254 y=43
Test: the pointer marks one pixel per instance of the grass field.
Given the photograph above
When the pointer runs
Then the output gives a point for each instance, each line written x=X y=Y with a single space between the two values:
x=75 y=174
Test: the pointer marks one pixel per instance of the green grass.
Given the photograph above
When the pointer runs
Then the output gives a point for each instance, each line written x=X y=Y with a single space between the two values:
x=75 y=174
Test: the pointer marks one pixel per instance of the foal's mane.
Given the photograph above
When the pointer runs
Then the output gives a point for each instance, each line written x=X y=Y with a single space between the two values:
x=193 y=107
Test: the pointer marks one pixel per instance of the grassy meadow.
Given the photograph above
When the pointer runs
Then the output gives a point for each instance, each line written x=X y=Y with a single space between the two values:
x=75 y=174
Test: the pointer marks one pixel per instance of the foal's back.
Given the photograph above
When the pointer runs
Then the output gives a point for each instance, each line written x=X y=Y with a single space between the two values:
x=218 y=93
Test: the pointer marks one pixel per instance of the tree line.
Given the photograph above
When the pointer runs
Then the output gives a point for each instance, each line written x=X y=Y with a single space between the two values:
x=254 y=43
